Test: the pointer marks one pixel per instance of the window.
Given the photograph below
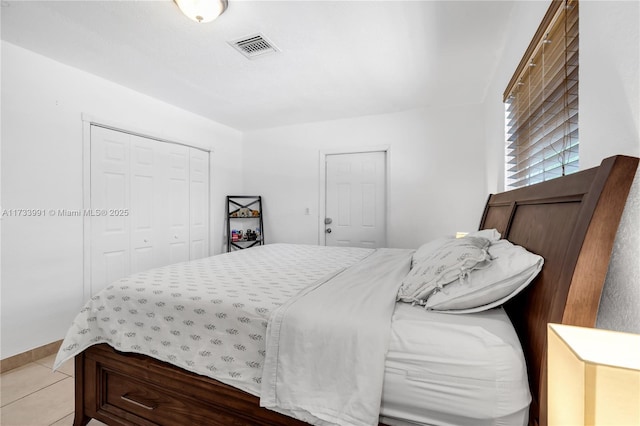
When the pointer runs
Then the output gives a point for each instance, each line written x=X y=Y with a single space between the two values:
x=541 y=102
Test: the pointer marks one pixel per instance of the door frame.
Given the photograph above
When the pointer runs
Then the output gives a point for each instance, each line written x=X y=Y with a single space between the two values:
x=322 y=201
x=88 y=121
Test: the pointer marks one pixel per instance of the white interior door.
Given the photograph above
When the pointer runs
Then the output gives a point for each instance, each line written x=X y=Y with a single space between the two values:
x=145 y=209
x=178 y=202
x=110 y=249
x=199 y=203
x=355 y=212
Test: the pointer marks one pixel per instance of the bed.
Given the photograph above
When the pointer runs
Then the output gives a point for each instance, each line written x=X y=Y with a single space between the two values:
x=571 y=222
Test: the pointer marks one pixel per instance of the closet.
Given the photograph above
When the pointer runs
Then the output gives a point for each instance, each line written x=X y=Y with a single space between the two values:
x=149 y=204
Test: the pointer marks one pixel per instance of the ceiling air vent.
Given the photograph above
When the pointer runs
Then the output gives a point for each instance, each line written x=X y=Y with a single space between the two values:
x=254 y=46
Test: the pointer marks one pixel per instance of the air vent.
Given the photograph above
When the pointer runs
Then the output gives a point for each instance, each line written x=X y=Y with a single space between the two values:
x=254 y=46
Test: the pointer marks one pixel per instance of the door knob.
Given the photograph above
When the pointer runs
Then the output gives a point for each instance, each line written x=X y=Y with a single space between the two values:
x=328 y=221
x=328 y=230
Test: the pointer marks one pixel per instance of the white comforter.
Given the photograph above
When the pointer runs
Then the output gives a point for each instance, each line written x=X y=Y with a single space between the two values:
x=326 y=347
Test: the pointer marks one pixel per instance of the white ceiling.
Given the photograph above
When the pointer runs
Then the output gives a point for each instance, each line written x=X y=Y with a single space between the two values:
x=337 y=59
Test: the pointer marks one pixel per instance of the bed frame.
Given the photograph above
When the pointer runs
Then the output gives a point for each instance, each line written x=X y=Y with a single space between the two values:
x=570 y=221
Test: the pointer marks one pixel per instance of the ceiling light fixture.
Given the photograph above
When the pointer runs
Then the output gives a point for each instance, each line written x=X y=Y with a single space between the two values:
x=202 y=10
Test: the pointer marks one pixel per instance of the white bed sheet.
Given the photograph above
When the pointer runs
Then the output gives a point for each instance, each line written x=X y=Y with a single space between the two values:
x=454 y=370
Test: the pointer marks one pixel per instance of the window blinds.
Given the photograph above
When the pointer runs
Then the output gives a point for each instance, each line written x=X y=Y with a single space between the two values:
x=541 y=102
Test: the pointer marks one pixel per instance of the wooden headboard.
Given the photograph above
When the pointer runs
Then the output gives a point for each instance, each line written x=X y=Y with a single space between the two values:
x=571 y=222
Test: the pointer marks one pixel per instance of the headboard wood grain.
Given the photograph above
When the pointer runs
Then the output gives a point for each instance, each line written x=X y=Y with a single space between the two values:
x=571 y=222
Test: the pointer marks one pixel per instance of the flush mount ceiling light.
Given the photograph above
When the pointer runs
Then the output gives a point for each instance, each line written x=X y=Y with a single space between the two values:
x=202 y=10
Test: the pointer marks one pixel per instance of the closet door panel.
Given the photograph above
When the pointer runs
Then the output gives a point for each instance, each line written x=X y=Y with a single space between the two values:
x=145 y=175
x=110 y=254
x=199 y=203
x=156 y=196
x=178 y=205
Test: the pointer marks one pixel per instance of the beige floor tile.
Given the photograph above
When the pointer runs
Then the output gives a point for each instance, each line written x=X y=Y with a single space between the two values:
x=22 y=381
x=66 y=368
x=41 y=408
x=66 y=421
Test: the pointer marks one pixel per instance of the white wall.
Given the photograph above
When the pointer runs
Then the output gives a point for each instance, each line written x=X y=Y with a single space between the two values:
x=436 y=171
x=609 y=80
x=42 y=103
x=619 y=306
x=609 y=125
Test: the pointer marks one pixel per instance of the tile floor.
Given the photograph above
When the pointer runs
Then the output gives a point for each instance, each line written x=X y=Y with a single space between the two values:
x=33 y=395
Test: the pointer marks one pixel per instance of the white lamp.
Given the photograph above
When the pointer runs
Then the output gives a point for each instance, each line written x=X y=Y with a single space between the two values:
x=202 y=10
x=593 y=377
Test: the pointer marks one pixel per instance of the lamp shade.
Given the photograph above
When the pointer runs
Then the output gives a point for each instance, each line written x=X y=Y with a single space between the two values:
x=593 y=377
x=202 y=10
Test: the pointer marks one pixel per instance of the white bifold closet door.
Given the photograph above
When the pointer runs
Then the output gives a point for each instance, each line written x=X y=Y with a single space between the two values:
x=157 y=205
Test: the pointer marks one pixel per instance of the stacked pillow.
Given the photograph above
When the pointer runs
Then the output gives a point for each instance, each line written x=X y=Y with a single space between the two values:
x=470 y=274
x=441 y=263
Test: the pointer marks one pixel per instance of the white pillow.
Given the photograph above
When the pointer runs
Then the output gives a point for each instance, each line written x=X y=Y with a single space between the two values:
x=452 y=259
x=490 y=234
x=427 y=249
x=512 y=268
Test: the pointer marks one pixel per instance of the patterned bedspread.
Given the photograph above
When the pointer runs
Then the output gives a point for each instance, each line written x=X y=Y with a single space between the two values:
x=207 y=316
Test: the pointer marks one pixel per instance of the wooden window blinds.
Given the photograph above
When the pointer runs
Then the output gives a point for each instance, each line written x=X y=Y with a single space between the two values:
x=541 y=102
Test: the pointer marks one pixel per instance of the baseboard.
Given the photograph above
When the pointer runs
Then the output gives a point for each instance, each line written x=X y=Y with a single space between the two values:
x=29 y=356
